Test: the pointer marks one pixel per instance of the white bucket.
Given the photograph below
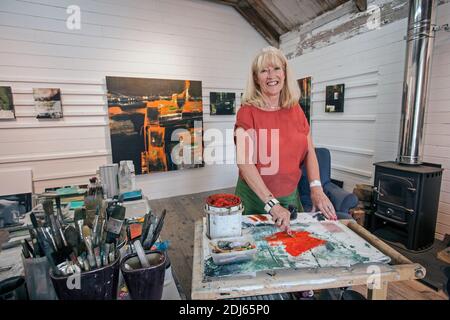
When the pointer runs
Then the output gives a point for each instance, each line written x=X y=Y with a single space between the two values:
x=223 y=222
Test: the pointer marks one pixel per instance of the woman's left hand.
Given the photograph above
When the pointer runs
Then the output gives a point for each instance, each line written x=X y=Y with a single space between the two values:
x=321 y=202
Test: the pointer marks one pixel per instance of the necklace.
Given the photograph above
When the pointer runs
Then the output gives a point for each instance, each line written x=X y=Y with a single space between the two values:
x=272 y=107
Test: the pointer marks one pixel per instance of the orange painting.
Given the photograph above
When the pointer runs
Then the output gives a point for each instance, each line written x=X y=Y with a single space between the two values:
x=156 y=123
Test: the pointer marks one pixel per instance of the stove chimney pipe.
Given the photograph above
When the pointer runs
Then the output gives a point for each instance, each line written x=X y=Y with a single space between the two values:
x=415 y=82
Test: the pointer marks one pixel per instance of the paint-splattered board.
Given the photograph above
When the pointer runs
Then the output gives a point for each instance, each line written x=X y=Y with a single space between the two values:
x=315 y=244
x=375 y=275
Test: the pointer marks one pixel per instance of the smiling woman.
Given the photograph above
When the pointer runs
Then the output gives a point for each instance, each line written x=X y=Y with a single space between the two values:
x=271 y=122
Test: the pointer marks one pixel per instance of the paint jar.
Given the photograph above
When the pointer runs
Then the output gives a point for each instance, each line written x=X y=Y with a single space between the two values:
x=127 y=179
x=98 y=284
x=144 y=283
x=223 y=216
x=109 y=179
x=39 y=285
x=13 y=288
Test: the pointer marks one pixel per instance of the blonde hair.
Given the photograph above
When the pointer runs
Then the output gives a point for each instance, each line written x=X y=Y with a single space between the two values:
x=271 y=56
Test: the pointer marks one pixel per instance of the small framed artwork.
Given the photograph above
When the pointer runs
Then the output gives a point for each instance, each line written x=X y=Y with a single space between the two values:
x=47 y=103
x=222 y=103
x=305 y=96
x=6 y=104
x=335 y=98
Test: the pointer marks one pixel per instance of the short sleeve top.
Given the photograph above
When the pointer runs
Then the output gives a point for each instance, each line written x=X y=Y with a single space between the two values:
x=279 y=162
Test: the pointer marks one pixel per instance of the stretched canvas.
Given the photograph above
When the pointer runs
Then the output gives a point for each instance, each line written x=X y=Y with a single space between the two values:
x=335 y=98
x=305 y=96
x=47 y=103
x=156 y=123
x=316 y=244
x=222 y=103
x=6 y=104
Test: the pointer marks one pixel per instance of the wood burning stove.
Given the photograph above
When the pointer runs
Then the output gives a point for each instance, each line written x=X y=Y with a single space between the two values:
x=407 y=191
x=407 y=200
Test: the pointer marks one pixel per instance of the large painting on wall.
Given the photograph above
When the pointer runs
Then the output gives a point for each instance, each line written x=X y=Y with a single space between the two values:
x=156 y=123
x=222 y=103
x=305 y=96
x=6 y=104
x=47 y=103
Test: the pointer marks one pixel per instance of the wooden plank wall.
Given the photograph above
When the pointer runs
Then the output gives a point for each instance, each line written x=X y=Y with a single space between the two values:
x=371 y=65
x=170 y=39
x=437 y=121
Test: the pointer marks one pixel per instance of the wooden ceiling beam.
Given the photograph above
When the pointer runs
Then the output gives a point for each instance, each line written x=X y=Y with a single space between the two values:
x=261 y=23
x=361 y=5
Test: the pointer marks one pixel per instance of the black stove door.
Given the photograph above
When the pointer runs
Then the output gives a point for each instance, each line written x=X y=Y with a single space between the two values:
x=395 y=196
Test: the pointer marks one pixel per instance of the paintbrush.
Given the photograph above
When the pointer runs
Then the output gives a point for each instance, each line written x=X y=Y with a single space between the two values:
x=88 y=243
x=61 y=232
x=112 y=253
x=48 y=235
x=36 y=249
x=59 y=211
x=29 y=248
x=98 y=259
x=158 y=229
x=48 y=209
x=152 y=224
x=86 y=265
x=105 y=254
x=43 y=244
x=78 y=218
x=114 y=224
x=25 y=251
x=145 y=227
x=73 y=239
x=34 y=221
x=102 y=231
x=130 y=243
x=141 y=254
x=95 y=226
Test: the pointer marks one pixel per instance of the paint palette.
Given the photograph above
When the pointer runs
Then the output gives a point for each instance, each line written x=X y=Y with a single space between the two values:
x=232 y=250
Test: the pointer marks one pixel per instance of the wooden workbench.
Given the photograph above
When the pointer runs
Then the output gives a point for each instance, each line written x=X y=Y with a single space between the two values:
x=290 y=280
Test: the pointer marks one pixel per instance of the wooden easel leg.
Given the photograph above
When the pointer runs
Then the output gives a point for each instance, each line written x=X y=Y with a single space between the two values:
x=379 y=293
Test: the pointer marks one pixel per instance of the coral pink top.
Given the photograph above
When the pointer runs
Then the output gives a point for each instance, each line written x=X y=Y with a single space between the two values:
x=292 y=146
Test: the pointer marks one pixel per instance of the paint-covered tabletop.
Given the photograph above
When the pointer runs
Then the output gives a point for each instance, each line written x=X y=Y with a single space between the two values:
x=320 y=255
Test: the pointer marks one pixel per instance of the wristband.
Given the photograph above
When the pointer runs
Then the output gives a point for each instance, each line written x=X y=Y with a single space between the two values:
x=270 y=204
x=315 y=183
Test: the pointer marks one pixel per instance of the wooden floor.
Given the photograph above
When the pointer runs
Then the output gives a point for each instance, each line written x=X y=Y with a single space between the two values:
x=183 y=211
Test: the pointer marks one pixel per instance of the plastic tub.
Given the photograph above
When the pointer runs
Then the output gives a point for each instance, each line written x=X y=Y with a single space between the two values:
x=233 y=256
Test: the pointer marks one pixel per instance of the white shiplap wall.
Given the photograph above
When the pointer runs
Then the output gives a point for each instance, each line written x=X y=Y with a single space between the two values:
x=168 y=39
x=437 y=127
x=371 y=65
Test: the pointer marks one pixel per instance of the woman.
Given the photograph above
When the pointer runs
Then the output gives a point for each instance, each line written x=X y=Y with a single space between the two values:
x=272 y=141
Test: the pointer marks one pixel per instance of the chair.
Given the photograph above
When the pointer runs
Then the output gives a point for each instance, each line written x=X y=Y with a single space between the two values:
x=342 y=200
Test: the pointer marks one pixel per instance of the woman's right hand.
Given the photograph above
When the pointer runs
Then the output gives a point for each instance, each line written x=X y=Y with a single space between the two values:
x=282 y=217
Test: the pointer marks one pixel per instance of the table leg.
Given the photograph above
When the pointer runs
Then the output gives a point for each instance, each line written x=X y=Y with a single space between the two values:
x=379 y=293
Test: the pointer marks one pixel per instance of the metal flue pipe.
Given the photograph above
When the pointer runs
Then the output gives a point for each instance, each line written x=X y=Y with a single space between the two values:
x=416 y=78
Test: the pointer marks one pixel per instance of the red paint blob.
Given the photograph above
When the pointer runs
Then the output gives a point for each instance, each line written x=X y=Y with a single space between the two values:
x=223 y=200
x=296 y=245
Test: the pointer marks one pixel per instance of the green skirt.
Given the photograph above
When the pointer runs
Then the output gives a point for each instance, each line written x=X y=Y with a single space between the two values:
x=254 y=205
